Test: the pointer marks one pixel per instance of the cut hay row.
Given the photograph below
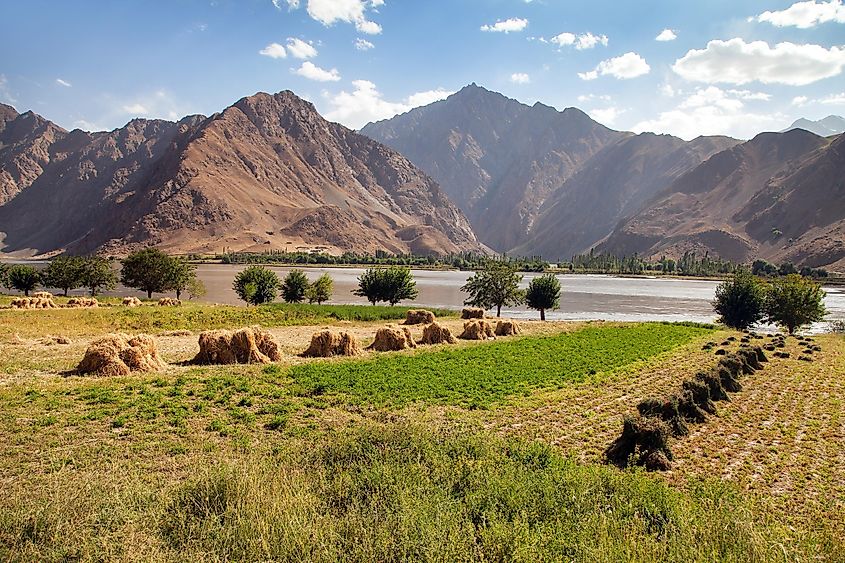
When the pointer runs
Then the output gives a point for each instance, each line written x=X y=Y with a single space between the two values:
x=645 y=438
x=82 y=302
x=33 y=303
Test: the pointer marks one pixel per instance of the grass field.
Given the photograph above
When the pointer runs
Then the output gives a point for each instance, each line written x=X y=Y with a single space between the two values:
x=481 y=451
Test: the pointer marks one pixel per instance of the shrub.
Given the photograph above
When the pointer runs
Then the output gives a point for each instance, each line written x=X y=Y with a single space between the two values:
x=740 y=301
x=294 y=287
x=543 y=293
x=497 y=285
x=320 y=290
x=794 y=301
x=256 y=285
x=22 y=278
x=64 y=272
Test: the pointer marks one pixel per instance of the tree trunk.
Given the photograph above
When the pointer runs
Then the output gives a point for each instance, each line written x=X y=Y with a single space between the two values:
x=178 y=294
x=26 y=292
x=498 y=310
x=149 y=294
x=65 y=292
x=93 y=291
x=542 y=314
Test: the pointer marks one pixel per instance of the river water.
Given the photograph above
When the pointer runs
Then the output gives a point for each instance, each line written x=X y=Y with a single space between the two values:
x=585 y=297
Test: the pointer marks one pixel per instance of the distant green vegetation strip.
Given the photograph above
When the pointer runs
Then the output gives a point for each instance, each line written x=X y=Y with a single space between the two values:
x=478 y=376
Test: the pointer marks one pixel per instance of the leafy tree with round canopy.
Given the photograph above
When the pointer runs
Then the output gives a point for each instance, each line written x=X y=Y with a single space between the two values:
x=196 y=288
x=256 y=285
x=64 y=272
x=149 y=270
x=740 y=301
x=180 y=274
x=543 y=293
x=97 y=275
x=794 y=301
x=393 y=284
x=320 y=290
x=4 y=275
x=23 y=278
x=497 y=285
x=294 y=287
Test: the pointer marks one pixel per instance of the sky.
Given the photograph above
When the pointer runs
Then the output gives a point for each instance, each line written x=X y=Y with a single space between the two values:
x=688 y=68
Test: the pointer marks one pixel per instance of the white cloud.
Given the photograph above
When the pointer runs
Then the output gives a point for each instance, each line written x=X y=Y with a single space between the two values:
x=300 y=49
x=274 y=51
x=712 y=111
x=327 y=12
x=506 y=26
x=87 y=125
x=805 y=14
x=292 y=4
x=668 y=90
x=737 y=62
x=748 y=95
x=581 y=42
x=363 y=44
x=606 y=116
x=583 y=98
x=666 y=35
x=5 y=92
x=800 y=100
x=365 y=104
x=136 y=109
x=834 y=99
x=520 y=78
x=312 y=72
x=64 y=83
x=629 y=65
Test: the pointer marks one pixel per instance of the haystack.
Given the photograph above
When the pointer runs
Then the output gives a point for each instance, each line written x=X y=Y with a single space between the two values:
x=472 y=313
x=644 y=441
x=132 y=302
x=507 y=327
x=667 y=411
x=42 y=295
x=477 y=329
x=32 y=303
x=418 y=317
x=392 y=338
x=714 y=383
x=82 y=302
x=250 y=345
x=436 y=333
x=700 y=394
x=169 y=302
x=327 y=343
x=120 y=354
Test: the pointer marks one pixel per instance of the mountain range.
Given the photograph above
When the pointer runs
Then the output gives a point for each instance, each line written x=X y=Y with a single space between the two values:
x=830 y=125
x=475 y=172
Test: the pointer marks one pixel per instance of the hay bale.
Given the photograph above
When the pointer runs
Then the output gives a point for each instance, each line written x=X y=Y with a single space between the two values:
x=689 y=409
x=700 y=394
x=392 y=338
x=507 y=327
x=120 y=354
x=42 y=295
x=32 y=303
x=728 y=379
x=169 y=302
x=750 y=363
x=327 y=343
x=477 y=329
x=132 y=302
x=418 y=317
x=644 y=441
x=436 y=333
x=250 y=345
x=667 y=411
x=82 y=302
x=620 y=451
x=472 y=313
x=712 y=380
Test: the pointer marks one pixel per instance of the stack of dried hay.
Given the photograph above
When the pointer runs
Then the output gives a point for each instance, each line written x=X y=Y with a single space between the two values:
x=508 y=327
x=392 y=338
x=477 y=329
x=435 y=333
x=644 y=441
x=169 y=302
x=32 y=303
x=82 y=302
x=42 y=295
x=132 y=302
x=472 y=313
x=418 y=317
x=328 y=343
x=250 y=345
x=120 y=354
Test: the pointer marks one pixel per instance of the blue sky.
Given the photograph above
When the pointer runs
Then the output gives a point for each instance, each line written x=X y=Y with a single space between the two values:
x=725 y=67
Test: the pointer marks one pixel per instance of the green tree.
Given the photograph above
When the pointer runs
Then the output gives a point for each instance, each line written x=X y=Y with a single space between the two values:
x=393 y=284
x=149 y=270
x=180 y=274
x=740 y=301
x=794 y=301
x=497 y=285
x=97 y=275
x=294 y=286
x=4 y=275
x=23 y=278
x=543 y=293
x=64 y=272
x=320 y=290
x=256 y=285
x=196 y=288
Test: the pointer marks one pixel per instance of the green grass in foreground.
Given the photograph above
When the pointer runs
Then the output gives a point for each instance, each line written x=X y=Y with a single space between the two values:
x=481 y=375
x=392 y=493
x=190 y=316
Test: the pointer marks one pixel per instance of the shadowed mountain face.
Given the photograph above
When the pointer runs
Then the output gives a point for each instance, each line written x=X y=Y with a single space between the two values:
x=780 y=196
x=531 y=179
x=267 y=173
